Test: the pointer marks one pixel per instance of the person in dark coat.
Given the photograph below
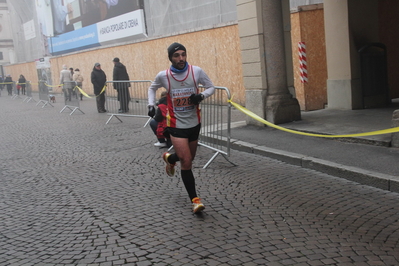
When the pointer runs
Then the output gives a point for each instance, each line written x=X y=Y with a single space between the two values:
x=22 y=83
x=98 y=78
x=9 y=82
x=122 y=88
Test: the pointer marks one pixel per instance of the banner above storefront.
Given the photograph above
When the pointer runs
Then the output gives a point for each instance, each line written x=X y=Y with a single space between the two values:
x=127 y=26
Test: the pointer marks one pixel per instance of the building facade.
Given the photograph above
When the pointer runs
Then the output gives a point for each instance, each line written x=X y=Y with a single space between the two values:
x=6 y=40
x=252 y=48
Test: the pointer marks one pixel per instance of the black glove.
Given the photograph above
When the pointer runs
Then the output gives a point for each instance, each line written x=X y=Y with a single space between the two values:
x=196 y=98
x=151 y=111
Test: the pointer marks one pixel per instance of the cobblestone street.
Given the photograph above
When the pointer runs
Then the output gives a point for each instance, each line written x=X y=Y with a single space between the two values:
x=75 y=191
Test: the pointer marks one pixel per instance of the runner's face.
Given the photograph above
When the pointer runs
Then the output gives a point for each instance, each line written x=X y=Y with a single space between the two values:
x=179 y=59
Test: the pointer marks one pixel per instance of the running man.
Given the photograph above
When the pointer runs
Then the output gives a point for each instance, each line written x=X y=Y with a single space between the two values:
x=183 y=122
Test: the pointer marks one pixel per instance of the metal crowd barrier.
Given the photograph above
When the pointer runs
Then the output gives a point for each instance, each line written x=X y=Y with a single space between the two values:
x=127 y=98
x=29 y=96
x=15 y=91
x=215 y=131
x=122 y=100
x=43 y=94
x=71 y=98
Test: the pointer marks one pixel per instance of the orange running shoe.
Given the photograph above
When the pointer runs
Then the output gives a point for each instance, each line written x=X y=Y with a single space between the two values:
x=197 y=205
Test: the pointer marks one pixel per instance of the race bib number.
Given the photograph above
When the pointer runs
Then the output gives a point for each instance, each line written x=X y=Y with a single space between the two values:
x=181 y=101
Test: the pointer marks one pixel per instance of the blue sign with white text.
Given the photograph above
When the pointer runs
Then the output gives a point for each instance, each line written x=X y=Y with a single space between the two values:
x=86 y=37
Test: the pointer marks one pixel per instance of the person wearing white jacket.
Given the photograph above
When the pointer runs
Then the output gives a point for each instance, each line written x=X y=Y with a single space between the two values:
x=66 y=82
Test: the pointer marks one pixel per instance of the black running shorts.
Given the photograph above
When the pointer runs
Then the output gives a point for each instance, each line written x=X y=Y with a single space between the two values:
x=191 y=134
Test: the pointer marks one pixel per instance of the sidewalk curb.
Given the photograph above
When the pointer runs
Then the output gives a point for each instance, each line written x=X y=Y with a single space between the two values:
x=361 y=176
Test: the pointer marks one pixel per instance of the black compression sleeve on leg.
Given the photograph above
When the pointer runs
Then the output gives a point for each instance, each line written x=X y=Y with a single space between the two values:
x=189 y=182
x=173 y=158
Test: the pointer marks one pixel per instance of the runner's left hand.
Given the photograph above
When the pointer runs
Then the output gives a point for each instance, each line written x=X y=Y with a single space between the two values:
x=196 y=98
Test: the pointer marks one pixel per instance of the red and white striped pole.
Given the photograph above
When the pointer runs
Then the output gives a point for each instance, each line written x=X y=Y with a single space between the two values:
x=302 y=62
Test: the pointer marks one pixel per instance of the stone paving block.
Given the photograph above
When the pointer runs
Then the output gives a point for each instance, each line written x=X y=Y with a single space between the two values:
x=108 y=263
x=143 y=263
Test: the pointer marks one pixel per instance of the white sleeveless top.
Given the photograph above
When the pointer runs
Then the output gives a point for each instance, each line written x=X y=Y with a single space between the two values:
x=181 y=112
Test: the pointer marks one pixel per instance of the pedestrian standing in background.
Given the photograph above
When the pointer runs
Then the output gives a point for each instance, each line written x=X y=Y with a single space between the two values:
x=98 y=78
x=22 y=84
x=78 y=78
x=66 y=82
x=9 y=82
x=181 y=81
x=122 y=88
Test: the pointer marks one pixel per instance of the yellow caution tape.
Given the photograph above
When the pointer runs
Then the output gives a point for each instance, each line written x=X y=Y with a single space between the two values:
x=103 y=90
x=60 y=85
x=81 y=91
x=53 y=85
x=85 y=94
x=258 y=118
